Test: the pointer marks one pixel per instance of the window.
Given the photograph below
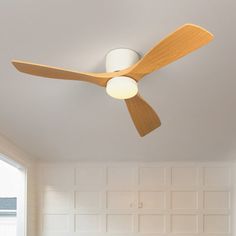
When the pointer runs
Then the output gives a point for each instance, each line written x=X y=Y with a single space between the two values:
x=8 y=220
x=12 y=195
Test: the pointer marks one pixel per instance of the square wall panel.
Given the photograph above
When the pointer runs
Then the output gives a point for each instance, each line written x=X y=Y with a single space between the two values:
x=217 y=176
x=184 y=200
x=90 y=176
x=56 y=222
x=88 y=223
x=57 y=200
x=88 y=200
x=121 y=176
x=184 y=176
x=151 y=223
x=152 y=176
x=122 y=223
x=120 y=200
x=216 y=224
x=152 y=199
x=184 y=224
x=58 y=176
x=216 y=200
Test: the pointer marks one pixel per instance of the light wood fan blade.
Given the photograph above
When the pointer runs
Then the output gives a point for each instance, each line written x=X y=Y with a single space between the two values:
x=144 y=117
x=178 y=44
x=58 y=73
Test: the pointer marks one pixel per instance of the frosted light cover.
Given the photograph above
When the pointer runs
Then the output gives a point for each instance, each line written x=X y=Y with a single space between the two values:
x=122 y=87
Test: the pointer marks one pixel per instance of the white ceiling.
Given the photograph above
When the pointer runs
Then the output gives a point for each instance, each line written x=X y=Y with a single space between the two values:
x=195 y=97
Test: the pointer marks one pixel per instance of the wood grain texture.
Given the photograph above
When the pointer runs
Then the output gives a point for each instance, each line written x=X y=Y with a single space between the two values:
x=59 y=73
x=183 y=41
x=144 y=117
x=178 y=44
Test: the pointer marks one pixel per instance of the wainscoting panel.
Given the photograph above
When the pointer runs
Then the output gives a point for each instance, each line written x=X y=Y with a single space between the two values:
x=146 y=199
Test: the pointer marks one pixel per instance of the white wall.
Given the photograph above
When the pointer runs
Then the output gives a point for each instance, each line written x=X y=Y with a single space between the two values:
x=135 y=199
x=14 y=155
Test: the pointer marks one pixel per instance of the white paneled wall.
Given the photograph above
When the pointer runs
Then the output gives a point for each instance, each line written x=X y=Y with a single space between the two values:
x=135 y=199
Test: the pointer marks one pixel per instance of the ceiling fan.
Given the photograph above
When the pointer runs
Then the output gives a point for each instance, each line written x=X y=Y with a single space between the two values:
x=125 y=68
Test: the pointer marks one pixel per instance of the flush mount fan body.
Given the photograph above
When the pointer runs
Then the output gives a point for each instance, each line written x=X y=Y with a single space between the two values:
x=144 y=117
x=125 y=68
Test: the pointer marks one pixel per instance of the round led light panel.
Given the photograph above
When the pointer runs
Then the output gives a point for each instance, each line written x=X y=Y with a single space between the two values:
x=122 y=87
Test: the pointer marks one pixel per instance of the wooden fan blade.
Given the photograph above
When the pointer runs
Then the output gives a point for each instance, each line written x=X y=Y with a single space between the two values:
x=58 y=73
x=144 y=117
x=178 y=44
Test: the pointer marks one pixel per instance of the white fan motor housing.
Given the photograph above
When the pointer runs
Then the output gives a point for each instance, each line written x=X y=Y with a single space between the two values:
x=121 y=87
x=120 y=59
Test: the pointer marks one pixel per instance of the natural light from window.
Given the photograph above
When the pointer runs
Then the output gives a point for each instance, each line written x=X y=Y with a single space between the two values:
x=9 y=189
